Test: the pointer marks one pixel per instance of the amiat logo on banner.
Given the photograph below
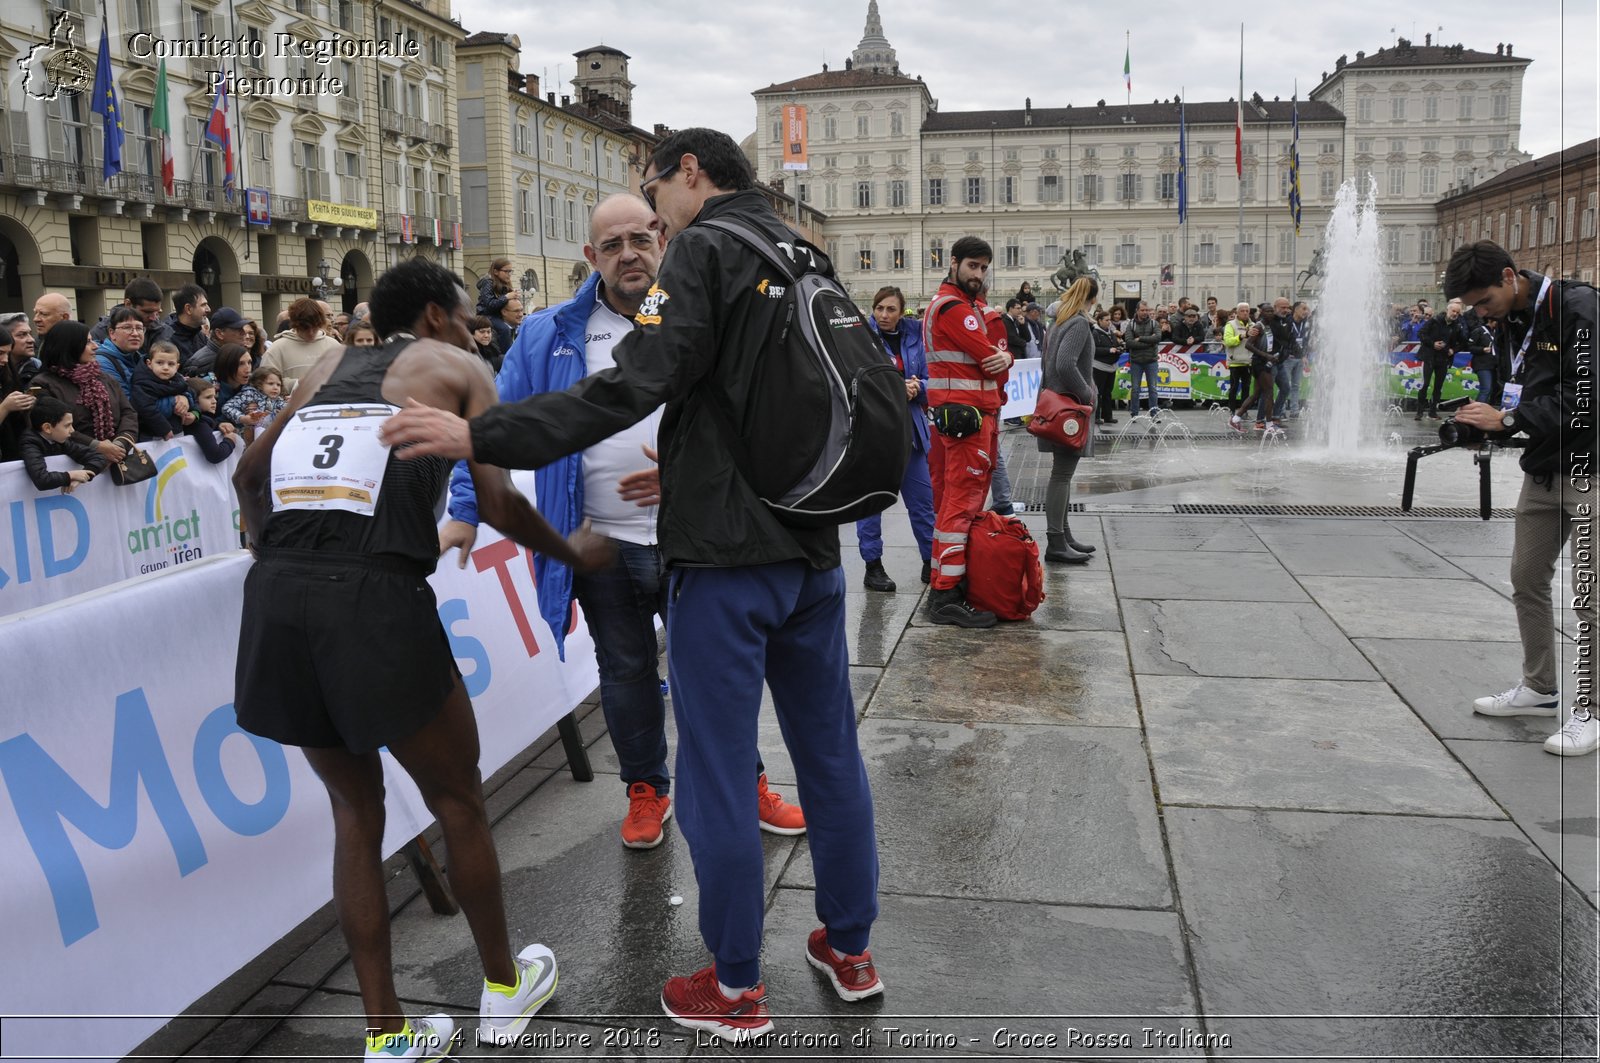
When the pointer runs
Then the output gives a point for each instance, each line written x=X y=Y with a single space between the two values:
x=168 y=537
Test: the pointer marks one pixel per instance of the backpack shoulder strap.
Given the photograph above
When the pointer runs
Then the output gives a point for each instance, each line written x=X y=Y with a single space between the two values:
x=761 y=243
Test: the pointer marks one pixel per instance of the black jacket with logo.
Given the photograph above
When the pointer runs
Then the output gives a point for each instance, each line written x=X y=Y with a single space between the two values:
x=703 y=333
x=1557 y=407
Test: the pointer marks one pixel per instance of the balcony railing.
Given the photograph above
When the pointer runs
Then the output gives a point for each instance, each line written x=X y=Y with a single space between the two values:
x=440 y=134
x=421 y=227
x=201 y=196
x=416 y=128
x=288 y=208
x=349 y=110
x=390 y=121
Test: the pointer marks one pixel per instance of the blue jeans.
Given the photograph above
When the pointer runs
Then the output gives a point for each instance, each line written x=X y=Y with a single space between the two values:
x=1151 y=372
x=1485 y=384
x=1289 y=374
x=1000 y=480
x=621 y=602
x=729 y=631
x=917 y=492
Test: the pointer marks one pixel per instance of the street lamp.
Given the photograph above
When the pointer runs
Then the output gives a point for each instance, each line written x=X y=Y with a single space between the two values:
x=326 y=279
x=207 y=275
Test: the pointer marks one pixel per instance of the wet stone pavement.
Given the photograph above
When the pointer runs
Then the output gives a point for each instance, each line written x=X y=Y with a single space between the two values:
x=1223 y=797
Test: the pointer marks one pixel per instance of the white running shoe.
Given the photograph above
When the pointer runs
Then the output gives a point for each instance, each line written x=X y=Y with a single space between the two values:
x=1580 y=735
x=1518 y=701
x=430 y=1040
x=501 y=1018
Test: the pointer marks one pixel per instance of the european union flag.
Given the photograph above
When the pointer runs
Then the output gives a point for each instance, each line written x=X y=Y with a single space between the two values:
x=1294 y=170
x=105 y=105
x=1183 y=167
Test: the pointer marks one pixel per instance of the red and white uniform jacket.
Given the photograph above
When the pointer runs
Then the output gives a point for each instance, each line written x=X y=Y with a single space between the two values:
x=957 y=340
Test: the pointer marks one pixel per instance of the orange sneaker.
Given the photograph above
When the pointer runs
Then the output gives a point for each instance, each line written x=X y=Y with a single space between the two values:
x=647 y=811
x=777 y=815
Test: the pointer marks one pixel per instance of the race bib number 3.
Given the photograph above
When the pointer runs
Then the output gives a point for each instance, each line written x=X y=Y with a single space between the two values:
x=329 y=457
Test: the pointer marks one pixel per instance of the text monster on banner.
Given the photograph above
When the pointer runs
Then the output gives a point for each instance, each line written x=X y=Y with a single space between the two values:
x=795 y=148
x=140 y=822
x=53 y=546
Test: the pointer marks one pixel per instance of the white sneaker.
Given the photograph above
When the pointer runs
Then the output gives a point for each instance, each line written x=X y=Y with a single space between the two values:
x=501 y=1018
x=431 y=1039
x=1236 y=422
x=1518 y=701
x=1580 y=735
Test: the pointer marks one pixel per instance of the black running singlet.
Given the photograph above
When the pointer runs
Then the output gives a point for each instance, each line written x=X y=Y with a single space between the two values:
x=404 y=522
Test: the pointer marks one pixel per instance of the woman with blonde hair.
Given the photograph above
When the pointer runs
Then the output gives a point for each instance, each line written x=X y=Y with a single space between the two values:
x=1068 y=369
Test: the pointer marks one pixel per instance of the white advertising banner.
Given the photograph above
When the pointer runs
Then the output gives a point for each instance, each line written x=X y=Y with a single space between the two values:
x=152 y=841
x=53 y=546
x=1022 y=388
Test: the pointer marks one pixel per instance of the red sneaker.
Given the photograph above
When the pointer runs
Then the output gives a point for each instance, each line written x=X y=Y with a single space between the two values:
x=777 y=815
x=698 y=1003
x=647 y=811
x=853 y=978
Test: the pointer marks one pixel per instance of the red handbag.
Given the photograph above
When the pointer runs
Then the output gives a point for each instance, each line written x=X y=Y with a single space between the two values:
x=1062 y=420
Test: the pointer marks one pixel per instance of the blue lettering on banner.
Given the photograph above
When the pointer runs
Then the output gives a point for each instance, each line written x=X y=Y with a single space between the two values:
x=45 y=509
x=46 y=798
x=465 y=647
x=1019 y=387
x=246 y=820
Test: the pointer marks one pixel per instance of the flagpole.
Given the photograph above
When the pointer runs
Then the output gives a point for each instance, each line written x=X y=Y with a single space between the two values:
x=1238 y=253
x=241 y=183
x=105 y=23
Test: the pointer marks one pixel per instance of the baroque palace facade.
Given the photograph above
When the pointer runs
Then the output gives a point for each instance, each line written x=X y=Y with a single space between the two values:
x=899 y=180
x=357 y=174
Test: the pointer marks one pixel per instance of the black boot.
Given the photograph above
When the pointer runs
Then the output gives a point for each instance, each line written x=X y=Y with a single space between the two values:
x=949 y=607
x=1082 y=548
x=1056 y=549
x=876 y=578
x=927 y=571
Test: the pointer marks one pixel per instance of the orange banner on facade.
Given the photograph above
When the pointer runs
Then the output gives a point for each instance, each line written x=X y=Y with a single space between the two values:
x=794 y=137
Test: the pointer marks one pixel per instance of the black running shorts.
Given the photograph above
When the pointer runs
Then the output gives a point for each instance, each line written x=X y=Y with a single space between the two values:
x=339 y=650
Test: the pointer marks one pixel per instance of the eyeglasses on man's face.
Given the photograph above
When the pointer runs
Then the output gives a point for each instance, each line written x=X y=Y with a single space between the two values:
x=129 y=326
x=644 y=189
x=638 y=241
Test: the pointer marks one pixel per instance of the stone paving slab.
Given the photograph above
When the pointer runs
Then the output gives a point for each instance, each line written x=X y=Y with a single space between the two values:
x=1017 y=673
x=1054 y=815
x=1358 y=555
x=1303 y=916
x=1460 y=538
x=1274 y=743
x=1077 y=598
x=1556 y=800
x=1228 y=535
x=960 y=994
x=604 y=909
x=1243 y=577
x=1287 y=640
x=875 y=620
x=1440 y=680
x=1457 y=609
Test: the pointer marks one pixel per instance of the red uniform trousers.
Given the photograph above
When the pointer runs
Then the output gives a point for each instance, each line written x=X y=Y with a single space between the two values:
x=960 y=470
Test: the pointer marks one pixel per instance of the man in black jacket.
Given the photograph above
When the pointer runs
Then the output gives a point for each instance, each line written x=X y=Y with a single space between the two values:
x=1550 y=325
x=189 y=310
x=752 y=599
x=1441 y=336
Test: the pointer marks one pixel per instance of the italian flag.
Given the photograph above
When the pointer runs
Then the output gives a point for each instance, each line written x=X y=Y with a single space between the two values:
x=162 y=121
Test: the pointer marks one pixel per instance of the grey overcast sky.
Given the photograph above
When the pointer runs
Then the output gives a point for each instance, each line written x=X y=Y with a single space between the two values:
x=695 y=62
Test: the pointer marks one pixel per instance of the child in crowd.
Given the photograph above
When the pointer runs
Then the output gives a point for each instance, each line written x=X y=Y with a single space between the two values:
x=205 y=426
x=160 y=395
x=262 y=395
x=50 y=433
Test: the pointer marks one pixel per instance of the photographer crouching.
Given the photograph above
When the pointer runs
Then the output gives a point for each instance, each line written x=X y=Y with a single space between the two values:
x=1548 y=326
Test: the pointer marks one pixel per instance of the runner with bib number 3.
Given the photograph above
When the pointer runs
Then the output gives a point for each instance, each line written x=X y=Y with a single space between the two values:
x=341 y=650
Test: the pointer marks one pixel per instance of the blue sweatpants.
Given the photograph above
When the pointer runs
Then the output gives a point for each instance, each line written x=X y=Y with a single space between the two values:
x=916 y=490
x=728 y=631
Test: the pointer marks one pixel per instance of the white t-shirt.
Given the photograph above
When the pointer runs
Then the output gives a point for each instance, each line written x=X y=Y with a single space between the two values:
x=607 y=462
